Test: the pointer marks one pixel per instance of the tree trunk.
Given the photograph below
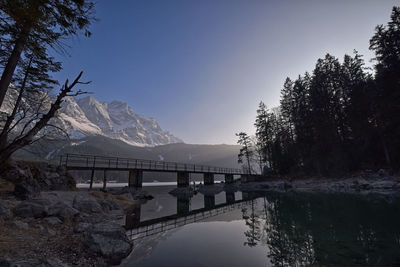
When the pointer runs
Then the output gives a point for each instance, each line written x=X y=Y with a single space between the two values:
x=4 y=133
x=12 y=62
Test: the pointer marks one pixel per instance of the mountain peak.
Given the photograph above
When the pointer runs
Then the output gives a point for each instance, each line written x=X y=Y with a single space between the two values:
x=117 y=120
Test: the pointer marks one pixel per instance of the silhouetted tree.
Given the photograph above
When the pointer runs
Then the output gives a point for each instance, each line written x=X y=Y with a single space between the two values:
x=340 y=118
x=246 y=151
x=34 y=121
x=386 y=45
x=30 y=25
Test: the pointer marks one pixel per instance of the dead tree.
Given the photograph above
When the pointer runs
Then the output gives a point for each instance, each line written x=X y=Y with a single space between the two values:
x=32 y=120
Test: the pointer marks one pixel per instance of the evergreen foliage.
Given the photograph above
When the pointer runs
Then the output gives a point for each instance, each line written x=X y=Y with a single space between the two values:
x=339 y=118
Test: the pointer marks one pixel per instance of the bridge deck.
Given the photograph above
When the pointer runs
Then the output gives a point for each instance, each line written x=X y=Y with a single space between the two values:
x=91 y=162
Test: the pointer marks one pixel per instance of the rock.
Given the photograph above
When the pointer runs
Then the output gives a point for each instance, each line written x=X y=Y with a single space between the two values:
x=52 y=220
x=63 y=211
x=109 y=240
x=81 y=227
x=382 y=173
x=46 y=231
x=27 y=189
x=87 y=204
x=5 y=262
x=32 y=208
x=5 y=212
x=108 y=204
x=142 y=195
x=54 y=178
x=18 y=224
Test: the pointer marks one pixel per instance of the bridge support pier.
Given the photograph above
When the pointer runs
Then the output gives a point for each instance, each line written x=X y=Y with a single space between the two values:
x=135 y=178
x=209 y=202
x=228 y=178
x=132 y=218
x=91 y=179
x=182 y=205
x=183 y=179
x=209 y=178
x=230 y=197
x=104 y=180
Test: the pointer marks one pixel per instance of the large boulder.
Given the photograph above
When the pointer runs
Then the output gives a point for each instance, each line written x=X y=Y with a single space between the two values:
x=108 y=204
x=87 y=204
x=62 y=211
x=37 y=208
x=27 y=189
x=30 y=178
x=26 y=186
x=109 y=240
x=52 y=177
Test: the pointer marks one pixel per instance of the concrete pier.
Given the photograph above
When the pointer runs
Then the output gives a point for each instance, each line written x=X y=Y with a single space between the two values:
x=209 y=202
x=132 y=218
x=228 y=178
x=230 y=197
x=104 y=180
x=208 y=178
x=135 y=178
x=183 y=179
x=182 y=205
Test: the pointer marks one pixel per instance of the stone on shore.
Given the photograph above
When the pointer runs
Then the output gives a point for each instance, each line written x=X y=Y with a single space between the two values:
x=87 y=204
x=109 y=240
x=5 y=212
x=62 y=211
x=37 y=208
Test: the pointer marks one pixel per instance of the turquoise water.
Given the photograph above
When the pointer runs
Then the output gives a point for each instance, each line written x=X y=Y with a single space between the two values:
x=286 y=229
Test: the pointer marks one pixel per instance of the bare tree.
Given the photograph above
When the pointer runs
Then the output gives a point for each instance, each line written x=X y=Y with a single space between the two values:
x=30 y=118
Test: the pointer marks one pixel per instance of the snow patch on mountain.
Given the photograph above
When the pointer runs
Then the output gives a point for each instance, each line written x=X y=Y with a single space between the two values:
x=87 y=116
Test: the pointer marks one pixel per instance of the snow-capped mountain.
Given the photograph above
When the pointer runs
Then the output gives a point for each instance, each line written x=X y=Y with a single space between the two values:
x=88 y=117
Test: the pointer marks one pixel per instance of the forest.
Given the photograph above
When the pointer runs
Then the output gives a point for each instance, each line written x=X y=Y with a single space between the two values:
x=340 y=118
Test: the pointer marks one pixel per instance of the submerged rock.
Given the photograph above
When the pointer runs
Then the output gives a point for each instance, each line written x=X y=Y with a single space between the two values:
x=109 y=240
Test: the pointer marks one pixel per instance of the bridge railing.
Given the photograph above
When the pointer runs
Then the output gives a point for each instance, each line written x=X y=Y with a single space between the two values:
x=96 y=162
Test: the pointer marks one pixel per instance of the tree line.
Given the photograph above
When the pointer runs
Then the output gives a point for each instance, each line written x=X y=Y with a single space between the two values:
x=339 y=118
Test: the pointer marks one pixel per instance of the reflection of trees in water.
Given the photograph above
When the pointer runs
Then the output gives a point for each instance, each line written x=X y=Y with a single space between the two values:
x=290 y=244
x=309 y=229
x=253 y=221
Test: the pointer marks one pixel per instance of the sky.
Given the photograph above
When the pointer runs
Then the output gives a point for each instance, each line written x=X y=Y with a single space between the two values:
x=201 y=67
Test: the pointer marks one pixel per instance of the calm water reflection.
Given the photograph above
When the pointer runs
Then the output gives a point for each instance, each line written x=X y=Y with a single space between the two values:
x=272 y=230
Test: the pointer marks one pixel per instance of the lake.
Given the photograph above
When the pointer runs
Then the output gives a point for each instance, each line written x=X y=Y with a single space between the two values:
x=272 y=229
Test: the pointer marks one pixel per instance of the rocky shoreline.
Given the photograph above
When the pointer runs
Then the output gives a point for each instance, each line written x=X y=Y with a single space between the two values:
x=362 y=183
x=46 y=221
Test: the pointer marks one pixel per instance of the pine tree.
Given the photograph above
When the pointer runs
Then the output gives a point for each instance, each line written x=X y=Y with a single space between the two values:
x=246 y=152
x=30 y=25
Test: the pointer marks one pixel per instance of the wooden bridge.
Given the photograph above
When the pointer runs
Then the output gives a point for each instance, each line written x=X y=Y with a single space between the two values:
x=136 y=167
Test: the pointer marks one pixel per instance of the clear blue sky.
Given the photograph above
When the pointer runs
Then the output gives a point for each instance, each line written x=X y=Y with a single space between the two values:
x=200 y=67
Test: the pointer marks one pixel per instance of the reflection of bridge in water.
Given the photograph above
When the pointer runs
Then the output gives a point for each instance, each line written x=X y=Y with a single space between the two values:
x=136 y=167
x=139 y=229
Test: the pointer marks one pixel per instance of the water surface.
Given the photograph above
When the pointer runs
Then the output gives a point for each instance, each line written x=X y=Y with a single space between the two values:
x=285 y=229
